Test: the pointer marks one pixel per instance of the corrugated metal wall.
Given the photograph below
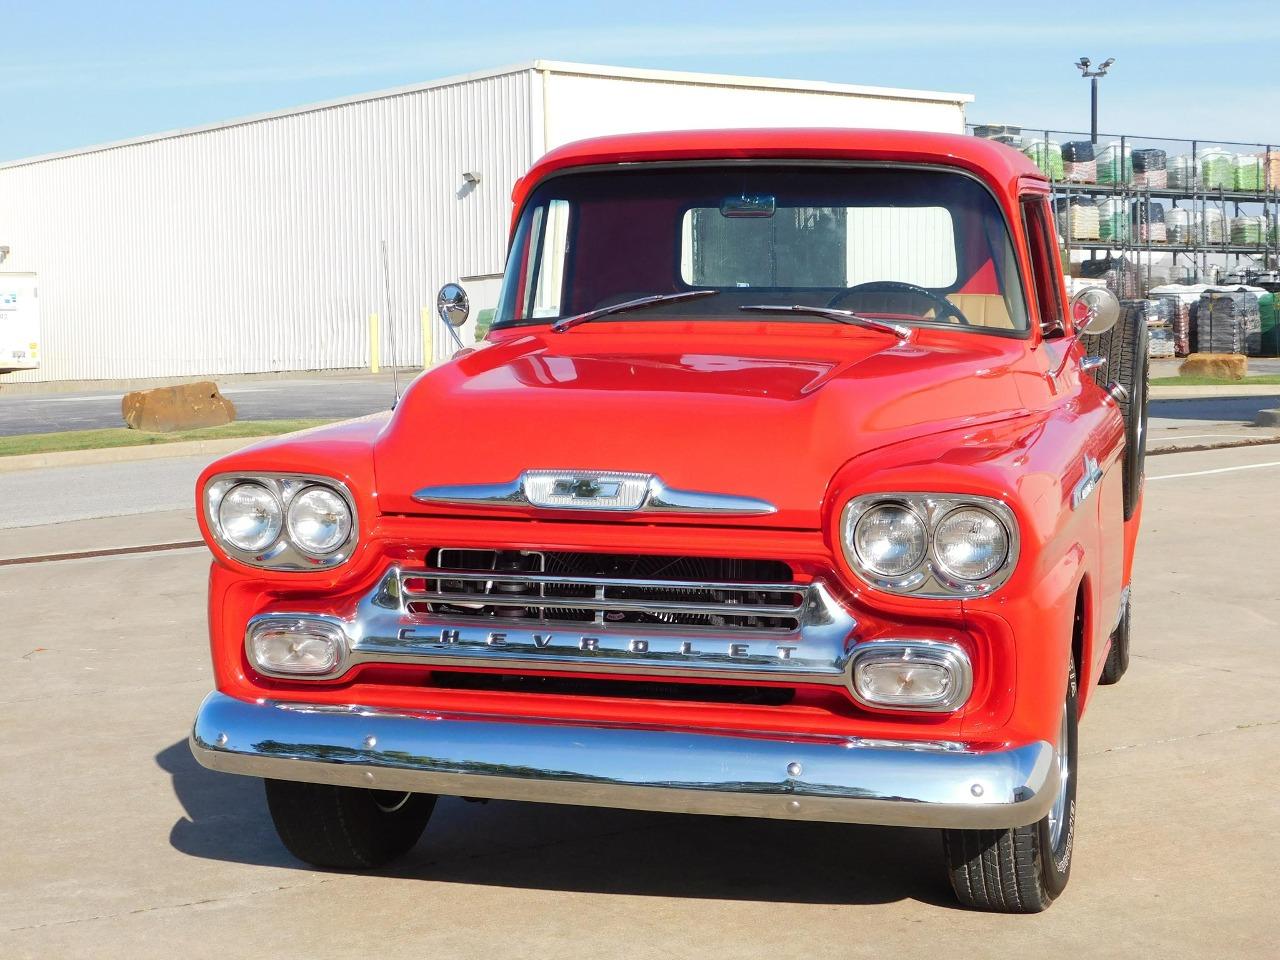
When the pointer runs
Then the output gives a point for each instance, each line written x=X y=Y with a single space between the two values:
x=254 y=247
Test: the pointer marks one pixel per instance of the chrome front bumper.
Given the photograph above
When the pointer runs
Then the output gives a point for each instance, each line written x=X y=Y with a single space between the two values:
x=841 y=779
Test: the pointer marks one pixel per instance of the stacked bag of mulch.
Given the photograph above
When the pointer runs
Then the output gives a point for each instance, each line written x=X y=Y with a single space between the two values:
x=1005 y=133
x=1047 y=155
x=1215 y=225
x=1248 y=230
x=1115 y=163
x=1177 y=309
x=1118 y=273
x=1160 y=344
x=1155 y=314
x=1180 y=172
x=1148 y=220
x=1228 y=321
x=1247 y=172
x=1149 y=169
x=1078 y=163
x=1113 y=220
x=1078 y=218
x=1217 y=169
x=1270 y=165
x=1182 y=225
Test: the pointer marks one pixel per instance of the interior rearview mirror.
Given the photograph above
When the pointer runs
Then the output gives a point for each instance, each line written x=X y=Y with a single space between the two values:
x=452 y=305
x=1094 y=310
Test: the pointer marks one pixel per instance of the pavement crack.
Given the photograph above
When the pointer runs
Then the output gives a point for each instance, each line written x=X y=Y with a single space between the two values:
x=172 y=906
x=1190 y=736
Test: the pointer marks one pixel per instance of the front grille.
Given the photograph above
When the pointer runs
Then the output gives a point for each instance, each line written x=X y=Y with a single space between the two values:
x=608 y=589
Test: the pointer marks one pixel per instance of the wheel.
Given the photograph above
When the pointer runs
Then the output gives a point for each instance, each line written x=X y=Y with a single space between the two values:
x=1125 y=347
x=1022 y=869
x=1118 y=659
x=346 y=828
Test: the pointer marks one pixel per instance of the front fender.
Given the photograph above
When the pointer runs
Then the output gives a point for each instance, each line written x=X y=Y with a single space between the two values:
x=1032 y=464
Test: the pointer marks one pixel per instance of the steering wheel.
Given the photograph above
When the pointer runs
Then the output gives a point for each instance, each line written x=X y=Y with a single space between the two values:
x=945 y=306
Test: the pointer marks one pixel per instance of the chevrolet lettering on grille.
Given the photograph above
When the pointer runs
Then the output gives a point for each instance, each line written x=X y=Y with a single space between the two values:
x=737 y=649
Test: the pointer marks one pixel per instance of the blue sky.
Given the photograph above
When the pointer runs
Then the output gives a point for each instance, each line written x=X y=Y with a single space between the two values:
x=78 y=73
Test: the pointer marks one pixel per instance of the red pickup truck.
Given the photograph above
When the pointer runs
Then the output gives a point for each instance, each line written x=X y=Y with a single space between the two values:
x=788 y=482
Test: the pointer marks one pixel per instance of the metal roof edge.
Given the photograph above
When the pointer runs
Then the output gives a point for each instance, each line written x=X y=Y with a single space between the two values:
x=551 y=66
x=739 y=80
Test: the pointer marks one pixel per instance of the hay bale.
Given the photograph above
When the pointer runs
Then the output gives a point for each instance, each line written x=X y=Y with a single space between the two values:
x=184 y=407
x=1223 y=366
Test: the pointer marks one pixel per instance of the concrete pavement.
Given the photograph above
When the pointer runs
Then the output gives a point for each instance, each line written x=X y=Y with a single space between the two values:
x=31 y=498
x=118 y=845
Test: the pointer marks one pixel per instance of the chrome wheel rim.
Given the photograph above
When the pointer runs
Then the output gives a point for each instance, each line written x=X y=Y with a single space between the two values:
x=1058 y=812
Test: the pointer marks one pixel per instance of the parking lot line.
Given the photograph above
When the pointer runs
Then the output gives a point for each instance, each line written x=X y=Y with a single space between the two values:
x=1202 y=473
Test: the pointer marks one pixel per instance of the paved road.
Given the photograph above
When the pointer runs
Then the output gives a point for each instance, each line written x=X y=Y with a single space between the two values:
x=119 y=846
x=336 y=398
x=30 y=498
x=1208 y=420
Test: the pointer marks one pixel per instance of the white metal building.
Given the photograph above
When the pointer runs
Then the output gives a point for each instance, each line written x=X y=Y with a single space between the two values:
x=253 y=245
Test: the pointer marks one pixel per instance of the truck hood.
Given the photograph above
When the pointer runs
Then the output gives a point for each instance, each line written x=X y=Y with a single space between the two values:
x=744 y=412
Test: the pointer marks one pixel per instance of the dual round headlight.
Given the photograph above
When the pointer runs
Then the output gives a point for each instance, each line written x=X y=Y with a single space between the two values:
x=918 y=543
x=250 y=517
x=890 y=539
x=290 y=523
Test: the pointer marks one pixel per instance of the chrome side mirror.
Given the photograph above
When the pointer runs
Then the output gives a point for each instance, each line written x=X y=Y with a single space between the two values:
x=452 y=305
x=1094 y=310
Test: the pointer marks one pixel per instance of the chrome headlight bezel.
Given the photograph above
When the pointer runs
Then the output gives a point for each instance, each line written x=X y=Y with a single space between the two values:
x=284 y=553
x=950 y=657
x=929 y=578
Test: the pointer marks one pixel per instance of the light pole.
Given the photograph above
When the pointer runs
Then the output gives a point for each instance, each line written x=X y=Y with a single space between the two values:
x=1092 y=76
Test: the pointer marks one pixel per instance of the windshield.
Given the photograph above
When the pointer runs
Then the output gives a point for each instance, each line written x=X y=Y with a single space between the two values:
x=911 y=245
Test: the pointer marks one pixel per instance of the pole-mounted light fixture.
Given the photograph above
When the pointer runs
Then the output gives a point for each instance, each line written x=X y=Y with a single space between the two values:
x=1092 y=76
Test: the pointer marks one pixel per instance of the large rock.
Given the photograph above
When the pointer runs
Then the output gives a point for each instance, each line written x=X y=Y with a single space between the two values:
x=1224 y=366
x=184 y=407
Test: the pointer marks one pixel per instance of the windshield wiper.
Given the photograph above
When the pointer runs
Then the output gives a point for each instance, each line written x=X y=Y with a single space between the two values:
x=568 y=323
x=831 y=313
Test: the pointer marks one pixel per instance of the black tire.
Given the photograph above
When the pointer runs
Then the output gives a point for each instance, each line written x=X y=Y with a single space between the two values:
x=1118 y=659
x=1125 y=347
x=1019 y=870
x=346 y=828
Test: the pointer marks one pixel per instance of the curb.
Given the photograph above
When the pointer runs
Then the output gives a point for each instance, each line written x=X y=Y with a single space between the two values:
x=1200 y=393
x=142 y=451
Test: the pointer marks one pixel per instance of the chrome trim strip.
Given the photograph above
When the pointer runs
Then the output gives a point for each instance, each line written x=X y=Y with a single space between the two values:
x=726 y=773
x=657 y=498
x=383 y=631
x=1087 y=483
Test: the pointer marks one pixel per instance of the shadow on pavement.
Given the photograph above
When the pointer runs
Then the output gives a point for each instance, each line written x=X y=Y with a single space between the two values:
x=1240 y=410
x=592 y=850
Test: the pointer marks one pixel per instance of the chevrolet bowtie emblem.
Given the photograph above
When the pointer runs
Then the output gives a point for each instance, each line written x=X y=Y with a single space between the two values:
x=585 y=488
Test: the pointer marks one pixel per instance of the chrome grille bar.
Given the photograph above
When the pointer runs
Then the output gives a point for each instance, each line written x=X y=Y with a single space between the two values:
x=481 y=576
x=563 y=597
x=728 y=609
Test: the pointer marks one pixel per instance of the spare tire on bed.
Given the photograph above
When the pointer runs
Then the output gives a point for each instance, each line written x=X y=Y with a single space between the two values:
x=1125 y=347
